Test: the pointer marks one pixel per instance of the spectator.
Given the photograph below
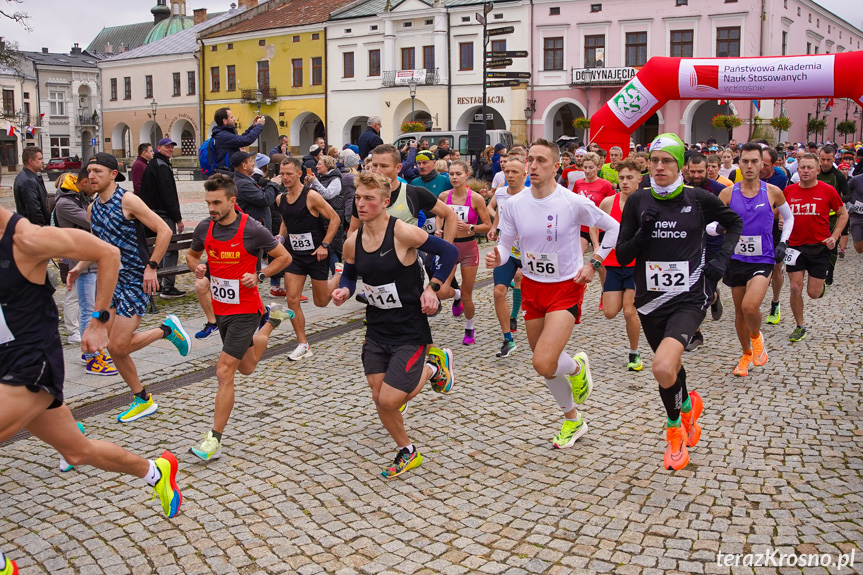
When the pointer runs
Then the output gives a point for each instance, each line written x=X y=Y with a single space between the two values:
x=499 y=149
x=352 y=162
x=327 y=181
x=281 y=147
x=31 y=197
x=482 y=165
x=251 y=198
x=370 y=139
x=408 y=170
x=310 y=162
x=443 y=148
x=145 y=154
x=225 y=138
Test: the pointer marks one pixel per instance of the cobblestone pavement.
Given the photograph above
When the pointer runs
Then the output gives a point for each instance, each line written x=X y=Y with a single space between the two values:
x=299 y=488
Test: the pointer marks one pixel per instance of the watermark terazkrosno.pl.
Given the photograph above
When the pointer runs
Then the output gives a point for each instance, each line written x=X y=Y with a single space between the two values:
x=774 y=558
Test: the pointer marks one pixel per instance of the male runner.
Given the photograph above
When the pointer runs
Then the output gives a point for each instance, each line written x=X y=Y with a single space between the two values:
x=830 y=174
x=233 y=242
x=748 y=273
x=619 y=288
x=119 y=218
x=547 y=219
x=31 y=353
x=608 y=172
x=781 y=182
x=308 y=242
x=811 y=240
x=397 y=358
x=855 y=210
x=662 y=229
x=574 y=171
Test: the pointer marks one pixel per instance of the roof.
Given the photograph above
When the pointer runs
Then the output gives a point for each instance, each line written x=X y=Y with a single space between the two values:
x=283 y=14
x=182 y=42
x=374 y=7
x=82 y=60
x=132 y=35
x=168 y=26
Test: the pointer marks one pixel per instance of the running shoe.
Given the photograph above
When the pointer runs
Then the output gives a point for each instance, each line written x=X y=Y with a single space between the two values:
x=166 y=488
x=743 y=365
x=278 y=292
x=600 y=302
x=106 y=357
x=828 y=281
x=775 y=314
x=841 y=254
x=676 y=454
x=696 y=341
x=7 y=566
x=444 y=379
x=64 y=465
x=759 y=352
x=634 y=362
x=824 y=288
x=303 y=298
x=798 y=333
x=513 y=325
x=457 y=308
x=302 y=350
x=171 y=293
x=570 y=432
x=716 y=309
x=403 y=409
x=73 y=338
x=279 y=313
x=208 y=330
x=210 y=448
x=178 y=335
x=507 y=348
x=469 y=337
x=404 y=461
x=139 y=408
x=690 y=419
x=264 y=317
x=97 y=365
x=582 y=384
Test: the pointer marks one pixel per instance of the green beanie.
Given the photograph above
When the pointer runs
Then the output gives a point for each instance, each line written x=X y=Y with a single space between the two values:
x=669 y=143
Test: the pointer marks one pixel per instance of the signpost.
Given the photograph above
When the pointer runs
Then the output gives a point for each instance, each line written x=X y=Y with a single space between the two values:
x=499 y=63
x=507 y=54
x=519 y=75
x=500 y=31
x=502 y=83
x=478 y=117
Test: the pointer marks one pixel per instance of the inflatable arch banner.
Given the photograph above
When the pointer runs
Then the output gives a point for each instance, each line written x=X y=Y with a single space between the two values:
x=663 y=79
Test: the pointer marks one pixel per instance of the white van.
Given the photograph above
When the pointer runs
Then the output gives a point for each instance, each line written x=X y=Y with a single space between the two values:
x=457 y=139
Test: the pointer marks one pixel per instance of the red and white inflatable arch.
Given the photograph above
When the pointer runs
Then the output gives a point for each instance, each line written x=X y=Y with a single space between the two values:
x=665 y=79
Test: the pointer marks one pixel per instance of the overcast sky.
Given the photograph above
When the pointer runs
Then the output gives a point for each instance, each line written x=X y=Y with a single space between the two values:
x=52 y=28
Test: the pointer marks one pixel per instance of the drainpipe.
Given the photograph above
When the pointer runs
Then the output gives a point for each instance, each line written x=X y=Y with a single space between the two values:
x=200 y=82
x=326 y=95
x=762 y=17
x=449 y=74
x=530 y=82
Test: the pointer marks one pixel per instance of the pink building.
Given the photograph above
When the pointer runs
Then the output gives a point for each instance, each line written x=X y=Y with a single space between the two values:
x=573 y=40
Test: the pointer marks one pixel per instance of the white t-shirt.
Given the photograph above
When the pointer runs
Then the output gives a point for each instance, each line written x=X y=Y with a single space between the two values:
x=723 y=171
x=498 y=180
x=502 y=196
x=548 y=231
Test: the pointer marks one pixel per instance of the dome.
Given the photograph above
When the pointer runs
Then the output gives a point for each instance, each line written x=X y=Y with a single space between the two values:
x=168 y=26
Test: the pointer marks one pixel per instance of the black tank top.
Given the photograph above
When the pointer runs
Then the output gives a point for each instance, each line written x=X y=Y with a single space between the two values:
x=394 y=315
x=305 y=231
x=31 y=316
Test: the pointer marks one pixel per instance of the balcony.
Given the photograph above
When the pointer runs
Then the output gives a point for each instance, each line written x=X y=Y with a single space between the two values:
x=88 y=119
x=268 y=94
x=389 y=78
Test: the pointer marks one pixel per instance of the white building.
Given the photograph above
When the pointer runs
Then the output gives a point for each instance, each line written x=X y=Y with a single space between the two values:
x=20 y=107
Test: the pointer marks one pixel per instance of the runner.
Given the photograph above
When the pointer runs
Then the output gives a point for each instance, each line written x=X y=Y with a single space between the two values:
x=233 y=242
x=811 y=240
x=32 y=369
x=384 y=252
x=575 y=171
x=545 y=219
x=619 y=289
x=831 y=175
x=748 y=273
x=119 y=218
x=855 y=209
x=595 y=189
x=308 y=241
x=662 y=229
x=608 y=172
x=470 y=209
x=504 y=274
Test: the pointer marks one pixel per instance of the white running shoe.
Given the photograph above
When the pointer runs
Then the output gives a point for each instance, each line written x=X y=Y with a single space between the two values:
x=303 y=350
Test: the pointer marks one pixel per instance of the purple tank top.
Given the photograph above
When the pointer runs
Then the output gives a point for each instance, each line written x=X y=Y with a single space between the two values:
x=756 y=240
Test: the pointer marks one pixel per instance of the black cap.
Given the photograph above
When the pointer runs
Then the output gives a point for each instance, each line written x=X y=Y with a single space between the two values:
x=110 y=162
x=238 y=158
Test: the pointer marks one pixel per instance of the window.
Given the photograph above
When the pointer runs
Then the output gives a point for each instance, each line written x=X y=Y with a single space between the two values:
x=465 y=56
x=681 y=43
x=113 y=89
x=26 y=95
x=148 y=86
x=230 y=78
x=498 y=16
x=373 y=27
x=190 y=83
x=636 y=48
x=296 y=38
x=784 y=43
x=555 y=11
x=59 y=146
x=798 y=10
x=728 y=42
x=215 y=83
x=316 y=36
x=596 y=7
x=348 y=65
x=465 y=18
x=317 y=71
x=409 y=59
x=264 y=75
x=297 y=73
x=498 y=45
x=407 y=24
x=808 y=47
x=347 y=30
x=9 y=102
x=553 y=53
x=213 y=48
x=429 y=22
x=681 y=2
x=594 y=51
x=374 y=62
x=176 y=79
x=428 y=57
x=262 y=42
x=230 y=46
x=127 y=88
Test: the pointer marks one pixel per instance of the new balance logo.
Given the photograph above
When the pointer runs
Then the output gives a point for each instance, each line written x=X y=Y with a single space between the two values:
x=685 y=209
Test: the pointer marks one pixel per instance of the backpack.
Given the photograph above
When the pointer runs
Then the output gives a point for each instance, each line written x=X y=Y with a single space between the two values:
x=207 y=157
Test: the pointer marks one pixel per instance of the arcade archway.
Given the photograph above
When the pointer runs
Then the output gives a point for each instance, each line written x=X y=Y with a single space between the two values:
x=559 y=116
x=496 y=123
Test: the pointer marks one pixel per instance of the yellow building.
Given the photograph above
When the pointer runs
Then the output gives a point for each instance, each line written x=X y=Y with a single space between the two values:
x=271 y=59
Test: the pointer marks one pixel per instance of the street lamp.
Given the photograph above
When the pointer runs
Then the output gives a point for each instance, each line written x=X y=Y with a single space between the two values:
x=412 y=85
x=857 y=118
x=22 y=116
x=154 y=106
x=528 y=114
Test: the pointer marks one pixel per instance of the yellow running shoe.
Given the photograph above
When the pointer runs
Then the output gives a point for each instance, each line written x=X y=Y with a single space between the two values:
x=404 y=461
x=166 y=488
x=138 y=409
x=759 y=352
x=7 y=566
x=742 y=368
x=582 y=383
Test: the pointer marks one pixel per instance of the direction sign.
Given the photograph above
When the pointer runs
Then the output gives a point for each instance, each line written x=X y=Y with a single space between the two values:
x=480 y=18
x=500 y=31
x=93 y=142
x=497 y=63
x=522 y=75
x=478 y=117
x=507 y=54
x=501 y=83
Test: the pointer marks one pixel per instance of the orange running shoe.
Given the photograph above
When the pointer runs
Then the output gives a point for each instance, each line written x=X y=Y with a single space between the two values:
x=690 y=420
x=759 y=352
x=742 y=368
x=676 y=455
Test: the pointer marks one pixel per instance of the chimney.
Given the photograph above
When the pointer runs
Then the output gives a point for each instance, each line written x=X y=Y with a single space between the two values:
x=44 y=50
x=76 y=49
x=248 y=3
x=108 y=48
x=199 y=15
x=233 y=6
x=123 y=47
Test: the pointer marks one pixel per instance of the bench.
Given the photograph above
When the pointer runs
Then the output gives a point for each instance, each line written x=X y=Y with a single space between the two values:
x=178 y=242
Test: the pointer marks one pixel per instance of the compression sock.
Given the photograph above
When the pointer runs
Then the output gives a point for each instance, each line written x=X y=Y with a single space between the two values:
x=566 y=366
x=561 y=390
x=508 y=336
x=672 y=398
x=516 y=303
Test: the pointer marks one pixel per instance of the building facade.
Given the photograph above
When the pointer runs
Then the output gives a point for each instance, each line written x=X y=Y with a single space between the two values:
x=20 y=107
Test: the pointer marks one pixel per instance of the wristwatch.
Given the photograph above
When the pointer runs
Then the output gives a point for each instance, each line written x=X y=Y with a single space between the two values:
x=471 y=228
x=101 y=315
x=325 y=245
x=596 y=264
x=261 y=277
x=435 y=286
x=153 y=264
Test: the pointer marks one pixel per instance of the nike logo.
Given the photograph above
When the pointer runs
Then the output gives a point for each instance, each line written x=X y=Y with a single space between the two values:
x=758 y=272
x=235 y=245
x=386 y=252
x=759 y=205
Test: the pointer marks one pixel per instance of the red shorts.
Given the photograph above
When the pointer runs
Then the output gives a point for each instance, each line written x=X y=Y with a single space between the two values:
x=538 y=299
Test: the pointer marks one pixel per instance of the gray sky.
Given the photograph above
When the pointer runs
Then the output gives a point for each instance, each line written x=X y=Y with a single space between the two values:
x=50 y=19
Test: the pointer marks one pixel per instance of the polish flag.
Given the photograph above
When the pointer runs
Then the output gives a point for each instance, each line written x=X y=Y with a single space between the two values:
x=11 y=131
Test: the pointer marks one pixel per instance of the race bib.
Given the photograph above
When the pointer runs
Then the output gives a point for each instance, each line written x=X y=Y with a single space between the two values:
x=667 y=276
x=542 y=265
x=791 y=256
x=858 y=207
x=429 y=226
x=383 y=297
x=5 y=333
x=461 y=212
x=301 y=242
x=225 y=291
x=748 y=246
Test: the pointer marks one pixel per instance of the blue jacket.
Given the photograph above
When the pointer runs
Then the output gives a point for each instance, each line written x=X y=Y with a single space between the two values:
x=227 y=141
x=368 y=141
x=409 y=168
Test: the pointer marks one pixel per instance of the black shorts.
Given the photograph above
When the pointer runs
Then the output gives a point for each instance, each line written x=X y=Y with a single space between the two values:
x=738 y=273
x=814 y=259
x=618 y=278
x=777 y=233
x=237 y=332
x=678 y=323
x=308 y=265
x=586 y=235
x=402 y=365
x=36 y=377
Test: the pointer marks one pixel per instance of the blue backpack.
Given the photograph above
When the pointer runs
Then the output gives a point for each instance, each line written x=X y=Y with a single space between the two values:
x=207 y=157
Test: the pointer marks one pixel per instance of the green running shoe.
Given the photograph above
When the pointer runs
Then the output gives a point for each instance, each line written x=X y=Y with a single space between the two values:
x=178 y=335
x=507 y=348
x=404 y=461
x=209 y=449
x=775 y=314
x=279 y=313
x=582 y=384
x=634 y=362
x=138 y=409
x=798 y=333
x=570 y=432
x=64 y=465
x=166 y=488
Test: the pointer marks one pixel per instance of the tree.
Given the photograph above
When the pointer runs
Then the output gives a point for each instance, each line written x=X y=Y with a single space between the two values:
x=9 y=54
x=17 y=17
